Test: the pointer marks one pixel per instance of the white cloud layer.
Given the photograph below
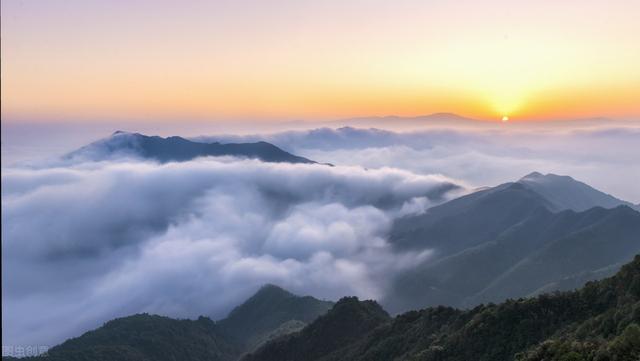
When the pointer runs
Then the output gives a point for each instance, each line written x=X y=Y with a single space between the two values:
x=603 y=155
x=83 y=244
x=86 y=242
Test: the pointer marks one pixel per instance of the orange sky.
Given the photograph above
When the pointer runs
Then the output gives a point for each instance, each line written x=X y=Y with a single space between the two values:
x=294 y=59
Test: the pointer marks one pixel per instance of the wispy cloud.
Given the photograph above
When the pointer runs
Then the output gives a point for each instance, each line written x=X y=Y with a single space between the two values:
x=604 y=156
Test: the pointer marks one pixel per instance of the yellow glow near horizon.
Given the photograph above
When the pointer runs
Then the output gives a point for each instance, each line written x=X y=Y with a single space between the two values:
x=315 y=60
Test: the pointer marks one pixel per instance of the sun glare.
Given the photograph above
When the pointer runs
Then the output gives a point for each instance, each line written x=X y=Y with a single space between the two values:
x=505 y=119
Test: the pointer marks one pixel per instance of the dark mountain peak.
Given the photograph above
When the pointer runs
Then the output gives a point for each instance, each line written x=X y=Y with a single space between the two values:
x=549 y=177
x=512 y=240
x=177 y=149
x=447 y=115
x=350 y=306
x=469 y=220
x=271 y=289
x=426 y=119
x=348 y=321
x=352 y=316
x=123 y=133
x=175 y=138
x=533 y=175
x=267 y=293
x=564 y=192
x=268 y=309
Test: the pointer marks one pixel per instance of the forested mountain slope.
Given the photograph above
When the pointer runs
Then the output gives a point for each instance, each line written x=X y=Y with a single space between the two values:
x=596 y=323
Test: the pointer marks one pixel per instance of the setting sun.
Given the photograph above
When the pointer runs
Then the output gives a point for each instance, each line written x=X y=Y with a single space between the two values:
x=222 y=60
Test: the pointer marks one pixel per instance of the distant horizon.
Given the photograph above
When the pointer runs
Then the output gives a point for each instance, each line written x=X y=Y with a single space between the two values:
x=292 y=59
x=73 y=120
x=580 y=148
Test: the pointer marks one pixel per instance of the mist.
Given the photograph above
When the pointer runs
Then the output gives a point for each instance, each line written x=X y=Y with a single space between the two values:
x=84 y=242
x=603 y=155
x=88 y=242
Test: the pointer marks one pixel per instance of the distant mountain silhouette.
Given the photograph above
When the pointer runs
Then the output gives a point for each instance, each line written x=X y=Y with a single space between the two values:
x=447 y=119
x=394 y=120
x=513 y=240
x=178 y=149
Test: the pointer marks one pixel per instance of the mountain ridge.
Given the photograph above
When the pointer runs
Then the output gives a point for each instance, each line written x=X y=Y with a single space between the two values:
x=600 y=321
x=148 y=337
x=510 y=240
x=175 y=148
x=342 y=325
x=493 y=245
x=567 y=193
x=266 y=311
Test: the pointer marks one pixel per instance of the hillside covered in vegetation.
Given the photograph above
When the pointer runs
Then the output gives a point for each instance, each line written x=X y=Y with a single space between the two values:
x=599 y=322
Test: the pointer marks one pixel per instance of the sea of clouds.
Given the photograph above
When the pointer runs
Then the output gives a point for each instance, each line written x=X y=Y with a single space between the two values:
x=604 y=156
x=88 y=242
x=84 y=242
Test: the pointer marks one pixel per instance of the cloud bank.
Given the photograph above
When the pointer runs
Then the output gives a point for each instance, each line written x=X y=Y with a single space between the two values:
x=604 y=156
x=85 y=243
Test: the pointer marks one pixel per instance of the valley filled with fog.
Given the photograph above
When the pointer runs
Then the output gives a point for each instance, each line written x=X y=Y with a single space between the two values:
x=88 y=239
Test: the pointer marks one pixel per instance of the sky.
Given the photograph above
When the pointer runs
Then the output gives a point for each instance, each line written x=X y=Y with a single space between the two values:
x=86 y=60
